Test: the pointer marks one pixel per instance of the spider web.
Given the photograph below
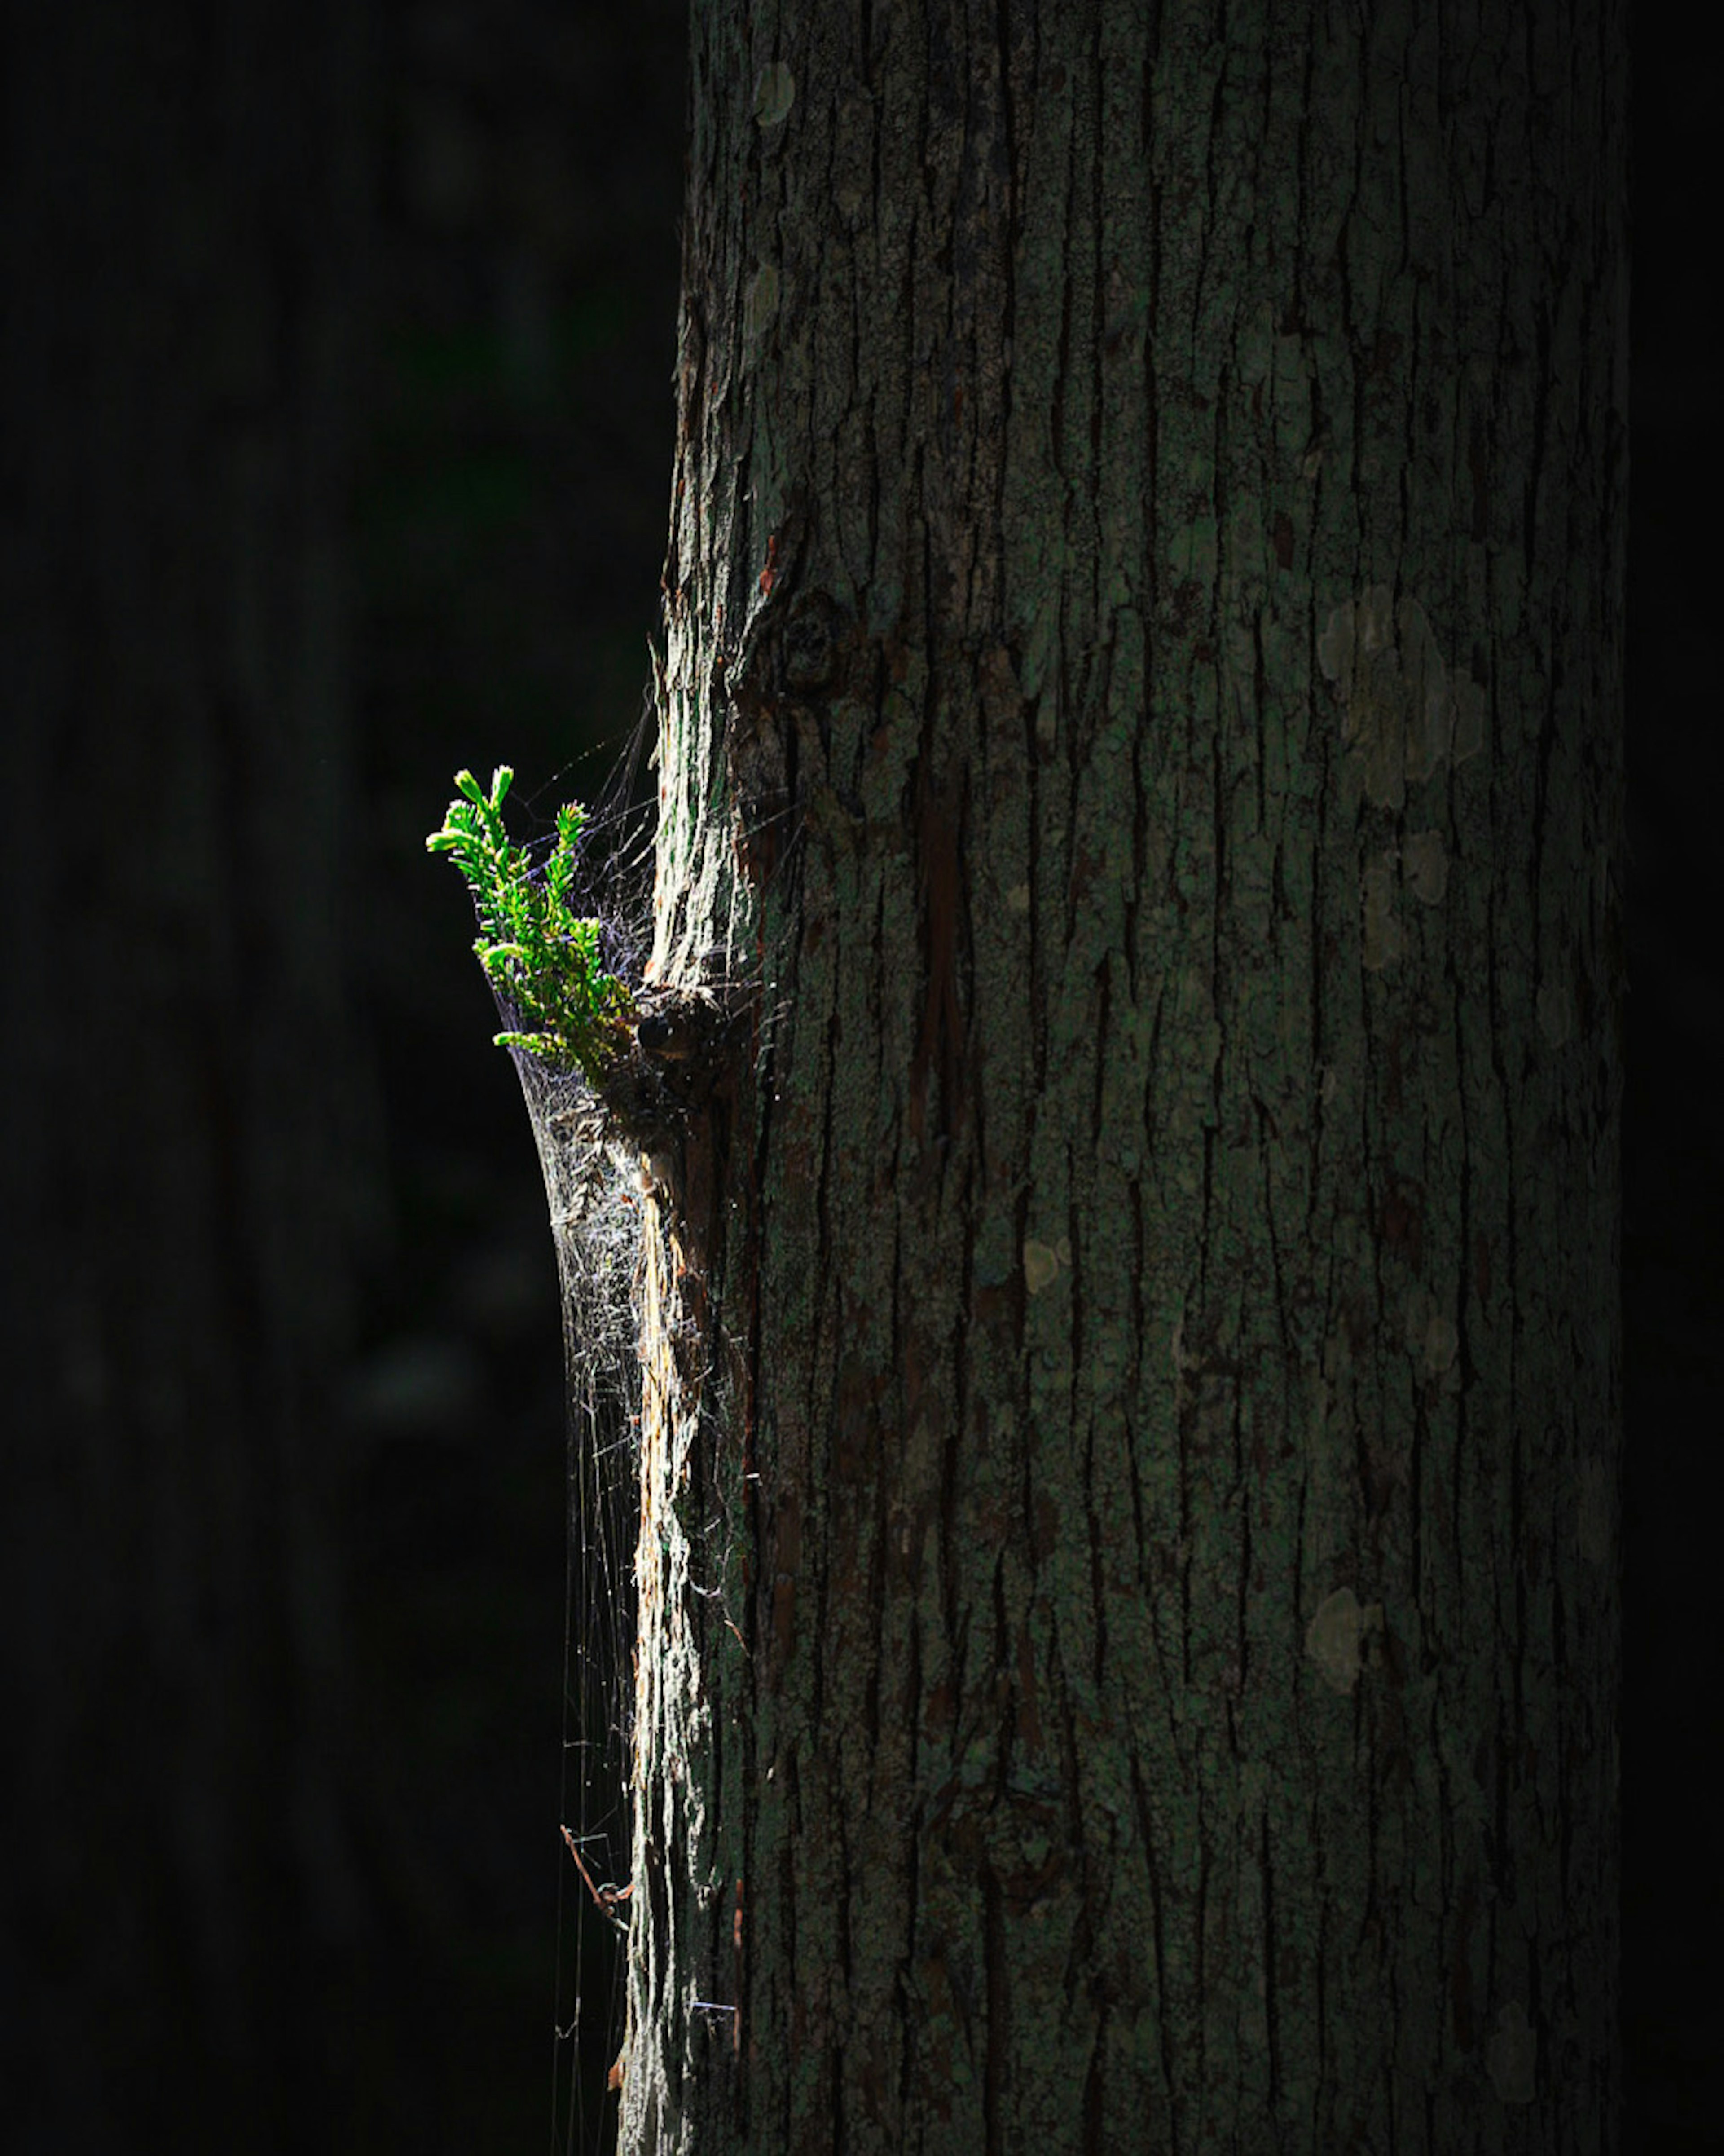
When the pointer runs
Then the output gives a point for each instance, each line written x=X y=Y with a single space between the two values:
x=592 y=1186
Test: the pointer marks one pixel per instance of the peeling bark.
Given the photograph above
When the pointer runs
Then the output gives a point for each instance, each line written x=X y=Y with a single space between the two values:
x=1129 y=1635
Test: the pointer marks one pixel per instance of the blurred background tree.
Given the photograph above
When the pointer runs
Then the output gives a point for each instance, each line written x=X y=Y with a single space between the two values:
x=338 y=354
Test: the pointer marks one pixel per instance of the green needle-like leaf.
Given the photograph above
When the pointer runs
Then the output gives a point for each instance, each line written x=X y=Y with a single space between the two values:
x=535 y=953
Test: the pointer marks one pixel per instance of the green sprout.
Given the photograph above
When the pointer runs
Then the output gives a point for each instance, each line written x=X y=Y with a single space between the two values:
x=542 y=960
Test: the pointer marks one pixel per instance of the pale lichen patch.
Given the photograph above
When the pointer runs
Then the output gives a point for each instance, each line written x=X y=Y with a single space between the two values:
x=1432 y=1335
x=1593 y=1511
x=1403 y=710
x=761 y=304
x=1334 y=1638
x=1556 y=1014
x=1425 y=865
x=774 y=94
x=1383 y=940
x=1469 y=734
x=1041 y=1263
x=1512 y=2055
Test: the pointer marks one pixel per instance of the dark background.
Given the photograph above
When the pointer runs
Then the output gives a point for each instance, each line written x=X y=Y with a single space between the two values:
x=338 y=432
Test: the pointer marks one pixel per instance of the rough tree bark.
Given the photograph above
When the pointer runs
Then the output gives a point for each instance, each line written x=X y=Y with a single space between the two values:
x=1128 y=1646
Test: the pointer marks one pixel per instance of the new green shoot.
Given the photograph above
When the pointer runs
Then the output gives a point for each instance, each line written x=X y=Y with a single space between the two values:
x=541 y=959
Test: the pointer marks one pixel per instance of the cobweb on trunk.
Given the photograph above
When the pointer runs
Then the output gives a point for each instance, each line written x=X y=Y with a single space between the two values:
x=599 y=1157
x=592 y=1189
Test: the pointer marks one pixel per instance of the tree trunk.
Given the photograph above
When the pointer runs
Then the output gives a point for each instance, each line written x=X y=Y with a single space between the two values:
x=1128 y=1631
